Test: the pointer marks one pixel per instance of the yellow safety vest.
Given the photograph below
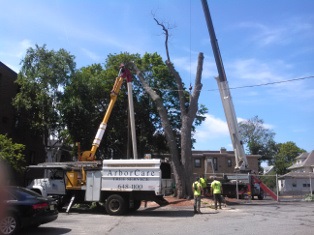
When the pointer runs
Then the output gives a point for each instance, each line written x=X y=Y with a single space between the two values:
x=196 y=187
x=216 y=186
x=203 y=182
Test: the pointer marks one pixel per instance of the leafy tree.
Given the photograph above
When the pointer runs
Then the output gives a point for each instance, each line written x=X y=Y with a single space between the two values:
x=11 y=153
x=43 y=75
x=258 y=138
x=83 y=105
x=287 y=152
x=86 y=98
x=147 y=120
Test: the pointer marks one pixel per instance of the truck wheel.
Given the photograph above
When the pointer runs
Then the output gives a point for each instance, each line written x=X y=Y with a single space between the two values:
x=115 y=205
x=136 y=206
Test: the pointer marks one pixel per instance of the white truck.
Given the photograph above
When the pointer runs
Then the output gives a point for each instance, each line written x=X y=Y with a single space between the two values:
x=120 y=185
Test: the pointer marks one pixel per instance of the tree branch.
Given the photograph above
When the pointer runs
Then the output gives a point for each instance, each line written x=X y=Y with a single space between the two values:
x=167 y=36
x=173 y=71
x=197 y=87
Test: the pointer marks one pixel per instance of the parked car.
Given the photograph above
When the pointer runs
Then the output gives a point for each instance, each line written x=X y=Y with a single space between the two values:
x=26 y=208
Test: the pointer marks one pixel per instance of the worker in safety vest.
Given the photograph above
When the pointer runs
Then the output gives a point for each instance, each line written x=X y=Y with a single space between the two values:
x=216 y=190
x=197 y=191
x=203 y=184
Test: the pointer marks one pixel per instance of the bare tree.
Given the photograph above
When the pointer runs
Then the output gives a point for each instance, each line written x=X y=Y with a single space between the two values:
x=181 y=162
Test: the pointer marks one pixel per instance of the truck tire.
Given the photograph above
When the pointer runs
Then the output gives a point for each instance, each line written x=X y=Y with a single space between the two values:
x=116 y=205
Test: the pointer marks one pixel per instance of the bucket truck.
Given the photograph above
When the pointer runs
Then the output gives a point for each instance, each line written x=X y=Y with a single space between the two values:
x=120 y=185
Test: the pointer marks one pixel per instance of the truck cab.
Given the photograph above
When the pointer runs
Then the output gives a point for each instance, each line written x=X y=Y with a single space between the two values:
x=48 y=181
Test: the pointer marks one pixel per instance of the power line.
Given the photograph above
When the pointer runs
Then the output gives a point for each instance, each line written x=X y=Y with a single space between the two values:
x=272 y=83
x=256 y=85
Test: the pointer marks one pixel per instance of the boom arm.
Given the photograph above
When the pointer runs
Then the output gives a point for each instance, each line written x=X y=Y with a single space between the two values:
x=90 y=155
x=241 y=160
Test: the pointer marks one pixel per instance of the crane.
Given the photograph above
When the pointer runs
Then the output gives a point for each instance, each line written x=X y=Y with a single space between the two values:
x=241 y=163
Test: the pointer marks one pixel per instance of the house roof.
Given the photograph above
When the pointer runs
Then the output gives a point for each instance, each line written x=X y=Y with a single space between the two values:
x=302 y=156
x=300 y=175
x=3 y=66
x=268 y=169
x=222 y=152
x=307 y=160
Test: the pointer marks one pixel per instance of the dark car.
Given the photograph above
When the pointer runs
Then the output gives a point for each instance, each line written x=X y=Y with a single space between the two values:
x=26 y=208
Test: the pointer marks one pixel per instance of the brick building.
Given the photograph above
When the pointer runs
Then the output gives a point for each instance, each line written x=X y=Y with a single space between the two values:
x=10 y=124
x=218 y=162
x=8 y=90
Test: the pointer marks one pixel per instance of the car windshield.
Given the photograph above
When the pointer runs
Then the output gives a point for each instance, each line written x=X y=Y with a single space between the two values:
x=22 y=194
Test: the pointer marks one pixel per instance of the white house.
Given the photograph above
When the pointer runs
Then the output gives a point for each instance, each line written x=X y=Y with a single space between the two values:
x=300 y=179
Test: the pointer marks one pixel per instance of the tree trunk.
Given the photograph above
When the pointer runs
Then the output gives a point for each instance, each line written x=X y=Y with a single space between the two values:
x=182 y=168
x=186 y=155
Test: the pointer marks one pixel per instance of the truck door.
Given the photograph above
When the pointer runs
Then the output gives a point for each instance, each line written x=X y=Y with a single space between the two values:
x=93 y=186
x=55 y=184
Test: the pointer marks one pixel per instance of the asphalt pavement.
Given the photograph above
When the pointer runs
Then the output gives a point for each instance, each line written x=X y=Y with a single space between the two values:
x=246 y=217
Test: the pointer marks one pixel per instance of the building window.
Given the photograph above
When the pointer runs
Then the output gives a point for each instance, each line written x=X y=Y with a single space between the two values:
x=215 y=164
x=306 y=185
x=197 y=163
x=229 y=163
x=294 y=185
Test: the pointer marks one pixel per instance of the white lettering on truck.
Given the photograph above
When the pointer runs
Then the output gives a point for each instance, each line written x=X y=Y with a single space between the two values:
x=130 y=173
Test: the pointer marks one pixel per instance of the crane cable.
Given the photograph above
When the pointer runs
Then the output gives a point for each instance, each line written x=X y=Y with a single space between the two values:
x=190 y=88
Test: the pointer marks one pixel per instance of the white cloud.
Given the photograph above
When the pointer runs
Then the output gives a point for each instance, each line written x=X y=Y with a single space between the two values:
x=254 y=72
x=212 y=128
x=214 y=133
x=13 y=52
x=93 y=56
x=264 y=35
x=190 y=65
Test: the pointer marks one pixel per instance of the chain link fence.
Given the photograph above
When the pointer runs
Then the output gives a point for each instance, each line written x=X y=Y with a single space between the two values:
x=281 y=188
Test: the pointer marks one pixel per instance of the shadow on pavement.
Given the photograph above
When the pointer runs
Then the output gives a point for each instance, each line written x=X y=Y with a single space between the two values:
x=45 y=230
x=152 y=212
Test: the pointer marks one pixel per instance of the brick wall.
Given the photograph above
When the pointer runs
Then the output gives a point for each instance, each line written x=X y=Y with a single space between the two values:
x=8 y=90
x=34 y=151
x=222 y=161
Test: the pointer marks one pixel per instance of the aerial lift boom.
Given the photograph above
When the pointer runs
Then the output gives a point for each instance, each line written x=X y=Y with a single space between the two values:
x=124 y=73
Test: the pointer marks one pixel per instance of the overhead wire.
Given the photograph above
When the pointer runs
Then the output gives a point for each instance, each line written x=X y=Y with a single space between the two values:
x=190 y=88
x=254 y=85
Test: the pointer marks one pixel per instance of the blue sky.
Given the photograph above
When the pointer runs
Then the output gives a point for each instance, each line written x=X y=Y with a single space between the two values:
x=260 y=42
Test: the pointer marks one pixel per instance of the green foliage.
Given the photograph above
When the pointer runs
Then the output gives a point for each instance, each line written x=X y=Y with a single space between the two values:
x=11 y=153
x=309 y=198
x=87 y=96
x=82 y=103
x=41 y=79
x=269 y=181
x=86 y=99
x=56 y=99
x=258 y=138
x=285 y=157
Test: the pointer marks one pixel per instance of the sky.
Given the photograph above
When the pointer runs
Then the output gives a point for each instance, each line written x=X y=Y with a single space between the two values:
x=267 y=48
